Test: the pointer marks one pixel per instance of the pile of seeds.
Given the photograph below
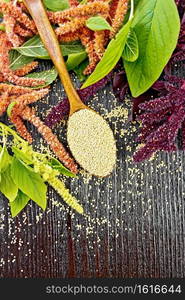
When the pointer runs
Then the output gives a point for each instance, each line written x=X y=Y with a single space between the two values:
x=92 y=142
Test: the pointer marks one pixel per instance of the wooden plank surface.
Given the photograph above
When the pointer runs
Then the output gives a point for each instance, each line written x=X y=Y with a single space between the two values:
x=135 y=219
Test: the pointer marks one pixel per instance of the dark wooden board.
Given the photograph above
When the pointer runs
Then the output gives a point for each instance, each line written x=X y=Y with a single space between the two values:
x=136 y=223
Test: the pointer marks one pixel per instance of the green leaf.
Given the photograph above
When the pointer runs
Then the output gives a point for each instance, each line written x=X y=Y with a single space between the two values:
x=98 y=23
x=156 y=24
x=2 y=27
x=56 y=165
x=18 y=60
x=5 y=159
x=111 y=56
x=35 y=48
x=131 y=50
x=29 y=182
x=7 y=185
x=19 y=203
x=136 y=2
x=49 y=76
x=27 y=159
x=80 y=69
x=83 y=1
x=75 y=60
x=56 y=5
x=71 y=48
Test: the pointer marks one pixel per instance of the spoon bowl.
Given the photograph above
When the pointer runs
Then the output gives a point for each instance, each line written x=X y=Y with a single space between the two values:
x=91 y=142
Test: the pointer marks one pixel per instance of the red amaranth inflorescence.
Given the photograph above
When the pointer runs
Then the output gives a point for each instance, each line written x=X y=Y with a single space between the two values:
x=162 y=118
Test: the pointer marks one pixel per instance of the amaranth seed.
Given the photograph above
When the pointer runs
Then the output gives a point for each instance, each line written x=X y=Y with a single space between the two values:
x=92 y=142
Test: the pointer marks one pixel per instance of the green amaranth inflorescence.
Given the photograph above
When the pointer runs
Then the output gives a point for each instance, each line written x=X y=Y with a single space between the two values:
x=41 y=164
x=51 y=176
x=60 y=188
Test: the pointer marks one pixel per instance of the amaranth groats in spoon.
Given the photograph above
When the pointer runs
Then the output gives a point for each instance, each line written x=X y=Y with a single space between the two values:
x=90 y=138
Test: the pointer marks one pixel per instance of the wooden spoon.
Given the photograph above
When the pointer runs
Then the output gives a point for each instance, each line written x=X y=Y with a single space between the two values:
x=50 y=42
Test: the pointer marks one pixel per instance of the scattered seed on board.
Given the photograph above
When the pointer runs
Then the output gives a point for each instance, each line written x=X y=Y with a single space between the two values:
x=92 y=142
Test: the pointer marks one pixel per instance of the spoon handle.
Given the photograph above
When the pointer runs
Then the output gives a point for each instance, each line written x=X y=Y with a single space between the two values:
x=50 y=42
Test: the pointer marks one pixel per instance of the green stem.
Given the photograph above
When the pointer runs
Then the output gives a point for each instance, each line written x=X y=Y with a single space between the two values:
x=132 y=9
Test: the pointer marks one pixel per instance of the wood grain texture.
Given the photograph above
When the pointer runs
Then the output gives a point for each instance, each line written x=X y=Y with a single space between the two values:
x=136 y=226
